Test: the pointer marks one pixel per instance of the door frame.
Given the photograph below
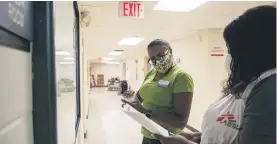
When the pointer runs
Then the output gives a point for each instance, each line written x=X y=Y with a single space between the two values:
x=44 y=74
x=77 y=61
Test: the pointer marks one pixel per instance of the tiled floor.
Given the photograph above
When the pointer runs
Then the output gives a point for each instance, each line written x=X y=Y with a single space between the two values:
x=107 y=124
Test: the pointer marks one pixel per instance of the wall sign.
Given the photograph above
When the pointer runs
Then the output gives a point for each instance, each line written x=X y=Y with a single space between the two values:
x=17 y=17
x=129 y=9
x=217 y=51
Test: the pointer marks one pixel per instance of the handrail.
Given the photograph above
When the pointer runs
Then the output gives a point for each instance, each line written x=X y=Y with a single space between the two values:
x=191 y=128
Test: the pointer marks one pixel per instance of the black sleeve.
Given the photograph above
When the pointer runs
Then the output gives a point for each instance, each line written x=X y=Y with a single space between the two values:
x=259 y=121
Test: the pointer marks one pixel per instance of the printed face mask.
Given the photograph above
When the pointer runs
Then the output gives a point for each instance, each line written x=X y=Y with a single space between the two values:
x=228 y=63
x=162 y=64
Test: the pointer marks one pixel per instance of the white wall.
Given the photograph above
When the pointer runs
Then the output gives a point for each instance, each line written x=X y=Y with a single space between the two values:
x=135 y=71
x=122 y=67
x=217 y=72
x=108 y=70
x=207 y=72
x=16 y=124
x=84 y=98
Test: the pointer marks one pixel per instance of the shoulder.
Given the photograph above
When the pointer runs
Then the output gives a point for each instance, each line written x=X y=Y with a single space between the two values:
x=264 y=91
x=262 y=99
x=259 y=121
x=183 y=81
x=151 y=72
x=180 y=74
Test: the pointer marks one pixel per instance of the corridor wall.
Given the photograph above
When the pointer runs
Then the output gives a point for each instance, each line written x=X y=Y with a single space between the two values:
x=84 y=99
x=135 y=71
x=207 y=71
x=108 y=70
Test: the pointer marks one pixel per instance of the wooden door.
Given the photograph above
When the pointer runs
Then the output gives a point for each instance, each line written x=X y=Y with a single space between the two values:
x=100 y=80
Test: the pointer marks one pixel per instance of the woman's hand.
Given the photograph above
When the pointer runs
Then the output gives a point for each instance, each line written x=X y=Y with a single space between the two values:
x=176 y=139
x=192 y=136
x=136 y=105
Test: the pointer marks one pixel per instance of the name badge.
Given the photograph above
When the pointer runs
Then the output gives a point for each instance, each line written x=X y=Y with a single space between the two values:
x=163 y=84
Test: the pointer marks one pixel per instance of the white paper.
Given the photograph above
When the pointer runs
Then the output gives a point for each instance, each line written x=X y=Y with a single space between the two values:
x=144 y=121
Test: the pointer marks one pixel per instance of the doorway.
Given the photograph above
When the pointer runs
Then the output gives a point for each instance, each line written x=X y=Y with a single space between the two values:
x=100 y=80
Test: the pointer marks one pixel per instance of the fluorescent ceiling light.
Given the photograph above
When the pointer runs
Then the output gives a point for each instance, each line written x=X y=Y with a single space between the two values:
x=109 y=62
x=62 y=53
x=66 y=63
x=130 y=41
x=115 y=53
x=108 y=58
x=178 y=5
x=68 y=58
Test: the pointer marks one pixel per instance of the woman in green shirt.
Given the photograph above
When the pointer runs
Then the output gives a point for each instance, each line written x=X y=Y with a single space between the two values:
x=166 y=93
x=251 y=42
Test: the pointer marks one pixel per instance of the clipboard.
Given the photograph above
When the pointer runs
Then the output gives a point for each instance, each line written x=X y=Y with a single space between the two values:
x=144 y=121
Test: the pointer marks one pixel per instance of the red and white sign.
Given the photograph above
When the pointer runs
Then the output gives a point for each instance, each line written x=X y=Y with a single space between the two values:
x=129 y=9
x=99 y=59
x=217 y=51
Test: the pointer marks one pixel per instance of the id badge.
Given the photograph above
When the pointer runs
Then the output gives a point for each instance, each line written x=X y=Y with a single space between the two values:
x=163 y=84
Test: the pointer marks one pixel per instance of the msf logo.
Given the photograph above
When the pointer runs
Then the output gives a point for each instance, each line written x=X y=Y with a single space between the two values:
x=229 y=120
x=226 y=118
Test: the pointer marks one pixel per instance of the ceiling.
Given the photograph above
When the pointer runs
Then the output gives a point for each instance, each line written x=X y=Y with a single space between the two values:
x=106 y=28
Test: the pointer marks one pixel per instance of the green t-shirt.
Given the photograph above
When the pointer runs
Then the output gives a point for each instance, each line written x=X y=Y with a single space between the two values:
x=160 y=98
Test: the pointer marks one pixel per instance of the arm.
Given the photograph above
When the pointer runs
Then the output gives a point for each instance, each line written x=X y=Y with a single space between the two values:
x=176 y=139
x=179 y=116
x=138 y=97
x=259 y=121
x=182 y=99
x=192 y=136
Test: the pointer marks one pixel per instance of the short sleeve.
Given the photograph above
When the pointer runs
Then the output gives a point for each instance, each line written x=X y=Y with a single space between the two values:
x=183 y=83
x=259 y=121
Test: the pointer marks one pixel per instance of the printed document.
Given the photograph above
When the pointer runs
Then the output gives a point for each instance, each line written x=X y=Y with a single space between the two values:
x=144 y=121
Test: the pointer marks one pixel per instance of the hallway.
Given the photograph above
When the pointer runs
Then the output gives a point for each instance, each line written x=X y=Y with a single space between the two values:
x=107 y=124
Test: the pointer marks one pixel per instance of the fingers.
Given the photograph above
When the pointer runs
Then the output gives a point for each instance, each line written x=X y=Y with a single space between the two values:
x=189 y=136
x=170 y=134
x=124 y=101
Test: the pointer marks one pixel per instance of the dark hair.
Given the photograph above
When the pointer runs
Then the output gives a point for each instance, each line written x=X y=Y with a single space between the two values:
x=160 y=42
x=251 y=41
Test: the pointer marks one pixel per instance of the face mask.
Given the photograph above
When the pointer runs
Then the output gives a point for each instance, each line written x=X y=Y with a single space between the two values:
x=227 y=63
x=162 y=64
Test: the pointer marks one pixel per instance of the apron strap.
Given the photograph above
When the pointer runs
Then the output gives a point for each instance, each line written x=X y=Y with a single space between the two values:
x=250 y=86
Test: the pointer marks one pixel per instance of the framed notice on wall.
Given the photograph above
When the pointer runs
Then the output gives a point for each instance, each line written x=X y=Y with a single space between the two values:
x=16 y=24
x=217 y=51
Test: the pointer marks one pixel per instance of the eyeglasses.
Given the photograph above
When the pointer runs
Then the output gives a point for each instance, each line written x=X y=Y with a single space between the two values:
x=153 y=59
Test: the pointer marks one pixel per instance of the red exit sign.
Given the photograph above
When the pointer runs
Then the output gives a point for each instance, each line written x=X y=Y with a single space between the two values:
x=131 y=9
